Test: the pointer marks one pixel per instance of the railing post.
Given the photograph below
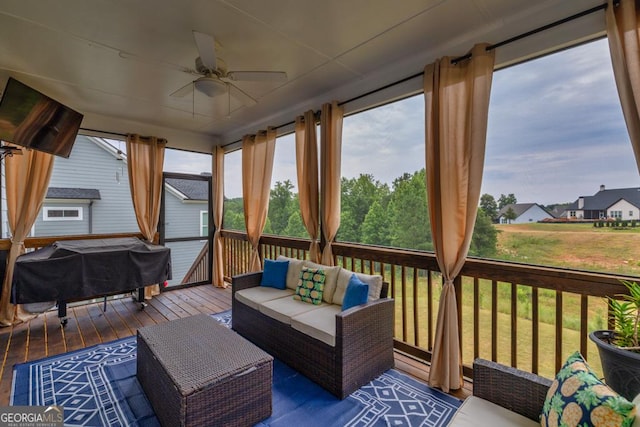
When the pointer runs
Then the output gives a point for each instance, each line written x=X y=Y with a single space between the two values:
x=457 y=286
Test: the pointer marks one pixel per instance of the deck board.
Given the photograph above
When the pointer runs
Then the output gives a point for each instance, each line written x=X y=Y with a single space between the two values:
x=88 y=325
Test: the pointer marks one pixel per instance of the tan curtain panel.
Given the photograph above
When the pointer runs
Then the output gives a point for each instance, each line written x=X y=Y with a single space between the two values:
x=145 y=159
x=456 y=110
x=218 y=211
x=330 y=175
x=257 y=165
x=307 y=168
x=623 y=33
x=27 y=180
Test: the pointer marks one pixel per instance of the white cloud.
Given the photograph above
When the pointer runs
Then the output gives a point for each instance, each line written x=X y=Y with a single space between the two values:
x=186 y=162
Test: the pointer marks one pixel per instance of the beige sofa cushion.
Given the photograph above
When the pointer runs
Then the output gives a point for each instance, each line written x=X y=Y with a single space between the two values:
x=476 y=412
x=293 y=272
x=283 y=309
x=374 y=281
x=255 y=296
x=331 y=279
x=319 y=324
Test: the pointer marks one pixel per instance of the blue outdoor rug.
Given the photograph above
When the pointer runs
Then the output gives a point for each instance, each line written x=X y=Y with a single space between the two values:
x=98 y=387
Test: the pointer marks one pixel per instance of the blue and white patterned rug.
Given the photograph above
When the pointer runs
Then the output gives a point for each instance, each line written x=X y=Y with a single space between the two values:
x=97 y=387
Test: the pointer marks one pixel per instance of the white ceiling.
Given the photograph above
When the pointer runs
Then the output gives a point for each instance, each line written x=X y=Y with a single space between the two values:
x=117 y=61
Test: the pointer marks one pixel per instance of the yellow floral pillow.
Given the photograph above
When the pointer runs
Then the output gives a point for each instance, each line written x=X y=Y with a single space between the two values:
x=310 y=285
x=578 y=398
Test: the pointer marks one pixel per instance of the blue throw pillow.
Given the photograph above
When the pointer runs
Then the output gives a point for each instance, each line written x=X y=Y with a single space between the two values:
x=357 y=293
x=274 y=274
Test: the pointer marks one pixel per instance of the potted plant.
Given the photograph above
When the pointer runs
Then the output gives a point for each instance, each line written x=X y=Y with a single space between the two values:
x=619 y=348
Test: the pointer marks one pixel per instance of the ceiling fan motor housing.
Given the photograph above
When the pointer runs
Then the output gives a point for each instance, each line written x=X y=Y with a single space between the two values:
x=221 y=71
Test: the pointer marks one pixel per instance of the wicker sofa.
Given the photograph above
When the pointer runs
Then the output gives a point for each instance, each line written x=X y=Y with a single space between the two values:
x=502 y=396
x=339 y=350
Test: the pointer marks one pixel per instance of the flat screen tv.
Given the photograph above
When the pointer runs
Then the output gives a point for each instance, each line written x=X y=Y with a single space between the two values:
x=31 y=119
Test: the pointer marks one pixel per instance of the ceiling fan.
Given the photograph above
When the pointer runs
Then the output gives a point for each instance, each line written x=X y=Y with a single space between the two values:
x=216 y=79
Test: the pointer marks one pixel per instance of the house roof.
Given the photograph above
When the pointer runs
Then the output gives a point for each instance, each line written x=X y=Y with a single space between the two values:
x=519 y=208
x=73 y=193
x=603 y=199
x=191 y=189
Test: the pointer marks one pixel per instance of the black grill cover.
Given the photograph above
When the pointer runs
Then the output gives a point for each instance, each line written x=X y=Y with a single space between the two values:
x=80 y=269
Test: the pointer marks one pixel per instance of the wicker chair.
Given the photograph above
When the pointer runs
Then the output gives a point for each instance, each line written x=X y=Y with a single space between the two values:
x=363 y=341
x=517 y=391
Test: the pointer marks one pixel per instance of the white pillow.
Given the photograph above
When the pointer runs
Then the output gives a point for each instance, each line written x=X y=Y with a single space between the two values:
x=373 y=280
x=293 y=272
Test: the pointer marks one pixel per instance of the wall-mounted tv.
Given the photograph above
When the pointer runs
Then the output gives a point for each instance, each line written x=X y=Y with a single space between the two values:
x=31 y=119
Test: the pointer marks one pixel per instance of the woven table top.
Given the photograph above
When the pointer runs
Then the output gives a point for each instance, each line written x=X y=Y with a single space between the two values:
x=198 y=352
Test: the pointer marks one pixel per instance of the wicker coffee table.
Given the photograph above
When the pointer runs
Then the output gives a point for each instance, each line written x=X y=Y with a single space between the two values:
x=197 y=372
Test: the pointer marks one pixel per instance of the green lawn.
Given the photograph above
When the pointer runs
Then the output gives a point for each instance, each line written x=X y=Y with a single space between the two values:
x=579 y=246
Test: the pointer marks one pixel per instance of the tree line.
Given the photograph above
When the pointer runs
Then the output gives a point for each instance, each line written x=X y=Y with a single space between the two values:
x=371 y=213
x=491 y=207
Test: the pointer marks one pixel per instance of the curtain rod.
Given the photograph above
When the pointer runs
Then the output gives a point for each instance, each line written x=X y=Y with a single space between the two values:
x=124 y=135
x=539 y=30
x=467 y=56
x=104 y=132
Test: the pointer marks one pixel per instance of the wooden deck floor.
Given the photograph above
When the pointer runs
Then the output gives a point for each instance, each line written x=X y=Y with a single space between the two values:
x=89 y=325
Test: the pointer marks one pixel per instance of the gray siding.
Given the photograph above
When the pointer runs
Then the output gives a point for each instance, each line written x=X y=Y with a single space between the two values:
x=90 y=166
x=62 y=227
x=182 y=218
x=183 y=254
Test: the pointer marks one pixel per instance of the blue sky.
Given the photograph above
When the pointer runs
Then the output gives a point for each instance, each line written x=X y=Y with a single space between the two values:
x=555 y=132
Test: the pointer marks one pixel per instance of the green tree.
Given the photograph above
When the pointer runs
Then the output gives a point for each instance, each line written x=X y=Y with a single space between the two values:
x=267 y=227
x=489 y=206
x=358 y=195
x=280 y=206
x=295 y=227
x=509 y=199
x=375 y=228
x=485 y=236
x=510 y=215
x=409 y=221
x=233 y=218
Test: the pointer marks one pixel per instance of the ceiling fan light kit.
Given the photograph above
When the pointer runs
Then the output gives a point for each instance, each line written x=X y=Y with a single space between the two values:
x=210 y=86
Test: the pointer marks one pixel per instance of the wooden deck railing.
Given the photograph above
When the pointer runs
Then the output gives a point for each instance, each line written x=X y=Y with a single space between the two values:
x=39 y=242
x=199 y=270
x=521 y=315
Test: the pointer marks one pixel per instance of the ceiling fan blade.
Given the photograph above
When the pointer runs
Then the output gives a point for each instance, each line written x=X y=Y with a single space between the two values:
x=241 y=95
x=257 y=76
x=207 y=49
x=183 y=91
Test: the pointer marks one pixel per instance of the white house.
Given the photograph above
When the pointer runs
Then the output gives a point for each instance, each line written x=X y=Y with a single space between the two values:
x=523 y=213
x=617 y=203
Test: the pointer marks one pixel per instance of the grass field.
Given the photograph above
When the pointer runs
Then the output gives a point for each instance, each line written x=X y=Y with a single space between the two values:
x=578 y=246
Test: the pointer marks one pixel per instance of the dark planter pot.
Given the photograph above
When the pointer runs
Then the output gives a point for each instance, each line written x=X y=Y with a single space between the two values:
x=621 y=367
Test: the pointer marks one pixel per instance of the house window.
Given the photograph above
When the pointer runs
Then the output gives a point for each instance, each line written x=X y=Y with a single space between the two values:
x=630 y=214
x=572 y=214
x=615 y=214
x=62 y=214
x=204 y=223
